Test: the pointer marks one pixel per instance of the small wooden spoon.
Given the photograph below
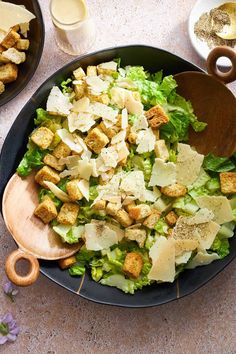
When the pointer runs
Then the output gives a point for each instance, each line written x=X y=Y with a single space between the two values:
x=35 y=239
x=213 y=103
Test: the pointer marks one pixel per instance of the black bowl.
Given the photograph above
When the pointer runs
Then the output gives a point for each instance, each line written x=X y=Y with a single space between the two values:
x=27 y=69
x=152 y=59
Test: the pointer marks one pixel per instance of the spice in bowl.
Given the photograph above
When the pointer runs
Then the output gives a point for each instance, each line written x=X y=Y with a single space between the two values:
x=211 y=23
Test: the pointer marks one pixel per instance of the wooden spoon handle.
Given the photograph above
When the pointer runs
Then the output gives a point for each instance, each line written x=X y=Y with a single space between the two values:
x=10 y=268
x=213 y=69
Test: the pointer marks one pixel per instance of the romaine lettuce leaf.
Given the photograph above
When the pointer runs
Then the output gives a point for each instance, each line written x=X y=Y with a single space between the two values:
x=46 y=120
x=33 y=158
x=221 y=247
x=69 y=234
x=77 y=270
x=219 y=164
x=65 y=86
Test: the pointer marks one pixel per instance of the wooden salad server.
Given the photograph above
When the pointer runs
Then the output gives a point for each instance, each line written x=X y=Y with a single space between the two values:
x=213 y=103
x=34 y=239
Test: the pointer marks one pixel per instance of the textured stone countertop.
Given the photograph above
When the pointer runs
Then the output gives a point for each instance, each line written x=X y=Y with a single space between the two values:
x=53 y=320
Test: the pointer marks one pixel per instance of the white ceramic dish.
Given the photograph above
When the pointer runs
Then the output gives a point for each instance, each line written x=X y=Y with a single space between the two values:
x=201 y=47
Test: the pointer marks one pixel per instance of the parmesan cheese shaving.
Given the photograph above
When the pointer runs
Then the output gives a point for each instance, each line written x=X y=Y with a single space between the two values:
x=82 y=121
x=58 y=103
x=81 y=105
x=57 y=191
x=68 y=139
x=202 y=258
x=84 y=188
x=163 y=173
x=219 y=205
x=124 y=119
x=145 y=141
x=102 y=110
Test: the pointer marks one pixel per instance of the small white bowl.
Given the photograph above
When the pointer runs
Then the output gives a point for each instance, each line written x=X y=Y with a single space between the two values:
x=201 y=47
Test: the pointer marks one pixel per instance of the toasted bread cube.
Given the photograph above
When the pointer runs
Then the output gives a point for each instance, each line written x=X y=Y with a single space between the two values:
x=67 y=262
x=132 y=137
x=133 y=264
x=110 y=132
x=14 y=55
x=104 y=71
x=46 y=174
x=2 y=49
x=130 y=206
x=79 y=90
x=73 y=190
x=161 y=150
x=10 y=39
x=61 y=150
x=171 y=218
x=22 y=44
x=228 y=182
x=140 y=211
x=156 y=132
x=16 y=28
x=2 y=87
x=174 y=190
x=100 y=205
x=52 y=161
x=91 y=70
x=156 y=116
x=42 y=137
x=103 y=98
x=152 y=219
x=123 y=218
x=79 y=73
x=8 y=72
x=4 y=60
x=46 y=210
x=68 y=214
x=137 y=235
x=96 y=140
x=112 y=209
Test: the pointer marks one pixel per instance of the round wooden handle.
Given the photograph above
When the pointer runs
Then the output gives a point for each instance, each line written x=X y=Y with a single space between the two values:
x=10 y=268
x=213 y=69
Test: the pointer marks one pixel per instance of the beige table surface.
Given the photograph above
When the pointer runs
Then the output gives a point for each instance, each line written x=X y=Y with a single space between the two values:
x=53 y=320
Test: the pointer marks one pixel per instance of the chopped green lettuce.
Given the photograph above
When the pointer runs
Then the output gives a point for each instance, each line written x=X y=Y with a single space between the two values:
x=77 y=270
x=85 y=256
x=44 y=119
x=185 y=205
x=161 y=227
x=69 y=234
x=135 y=73
x=226 y=230
x=93 y=193
x=221 y=247
x=65 y=86
x=127 y=285
x=43 y=192
x=219 y=164
x=33 y=158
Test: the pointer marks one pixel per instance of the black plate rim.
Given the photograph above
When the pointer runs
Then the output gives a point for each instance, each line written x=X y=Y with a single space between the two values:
x=7 y=99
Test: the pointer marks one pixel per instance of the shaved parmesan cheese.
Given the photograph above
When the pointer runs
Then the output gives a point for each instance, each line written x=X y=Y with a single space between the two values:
x=118 y=96
x=109 y=156
x=68 y=139
x=81 y=105
x=163 y=173
x=102 y=110
x=162 y=254
x=145 y=141
x=219 y=205
x=124 y=99
x=124 y=119
x=12 y=14
x=84 y=188
x=109 y=65
x=57 y=191
x=206 y=233
x=202 y=258
x=133 y=184
x=201 y=216
x=188 y=164
x=96 y=84
x=94 y=167
x=139 y=124
x=151 y=196
x=182 y=246
x=133 y=106
x=182 y=259
x=162 y=205
x=76 y=167
x=99 y=236
x=58 y=103
x=85 y=169
x=119 y=137
x=122 y=150
x=81 y=121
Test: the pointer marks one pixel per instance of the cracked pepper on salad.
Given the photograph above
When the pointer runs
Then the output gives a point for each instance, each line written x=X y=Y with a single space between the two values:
x=116 y=174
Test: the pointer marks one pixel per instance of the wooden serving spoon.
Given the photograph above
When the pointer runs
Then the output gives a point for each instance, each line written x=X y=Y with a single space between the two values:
x=213 y=103
x=35 y=239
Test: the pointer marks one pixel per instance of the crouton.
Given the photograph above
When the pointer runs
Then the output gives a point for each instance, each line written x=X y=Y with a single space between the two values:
x=46 y=174
x=10 y=39
x=96 y=140
x=103 y=98
x=100 y=205
x=132 y=137
x=112 y=209
x=42 y=137
x=46 y=210
x=161 y=150
x=156 y=132
x=133 y=264
x=2 y=49
x=122 y=162
x=22 y=44
x=228 y=182
x=130 y=205
x=156 y=116
x=139 y=211
x=104 y=71
x=73 y=190
x=67 y=262
x=52 y=161
x=14 y=55
x=61 y=150
x=2 y=87
x=123 y=218
x=79 y=73
x=171 y=218
x=4 y=60
x=79 y=90
x=110 y=132
x=8 y=72
x=68 y=214
x=136 y=235
x=152 y=219
x=91 y=70
x=174 y=190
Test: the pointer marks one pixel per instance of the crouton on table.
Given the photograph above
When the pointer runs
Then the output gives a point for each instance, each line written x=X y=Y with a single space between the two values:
x=42 y=137
x=47 y=174
x=228 y=182
x=8 y=72
x=73 y=190
x=133 y=264
x=61 y=150
x=46 y=210
x=68 y=214
x=96 y=140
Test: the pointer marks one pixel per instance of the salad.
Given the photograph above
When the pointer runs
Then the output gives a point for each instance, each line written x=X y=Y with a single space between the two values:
x=111 y=156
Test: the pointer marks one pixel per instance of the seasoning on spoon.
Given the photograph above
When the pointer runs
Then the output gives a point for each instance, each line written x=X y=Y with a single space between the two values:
x=211 y=23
